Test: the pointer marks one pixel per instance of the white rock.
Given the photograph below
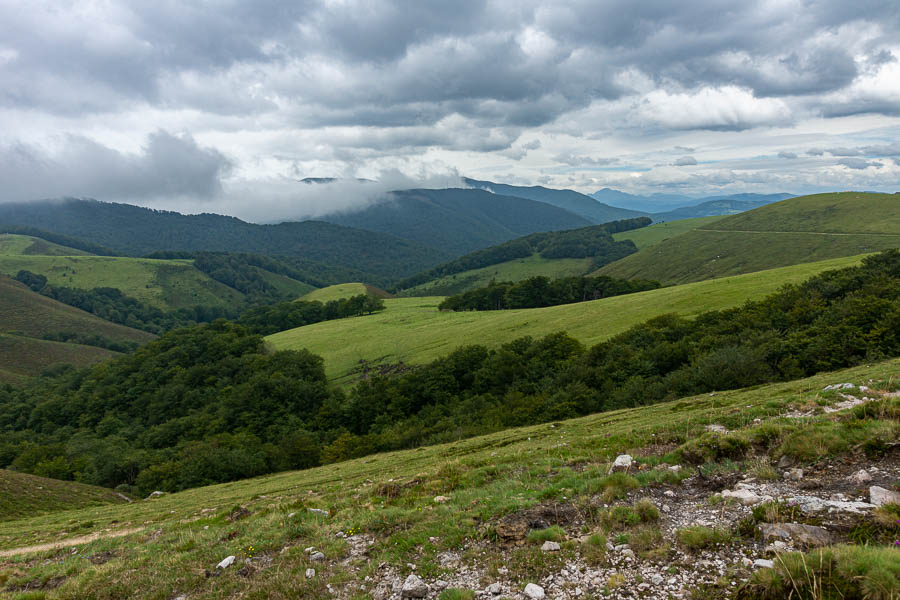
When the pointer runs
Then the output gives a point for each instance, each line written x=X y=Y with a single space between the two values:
x=628 y=552
x=226 y=562
x=550 y=546
x=762 y=563
x=535 y=592
x=745 y=497
x=675 y=468
x=794 y=474
x=440 y=584
x=669 y=493
x=318 y=511
x=860 y=477
x=717 y=428
x=837 y=386
x=494 y=589
x=440 y=499
x=317 y=557
x=622 y=462
x=310 y=573
x=414 y=587
x=156 y=494
x=879 y=496
x=656 y=579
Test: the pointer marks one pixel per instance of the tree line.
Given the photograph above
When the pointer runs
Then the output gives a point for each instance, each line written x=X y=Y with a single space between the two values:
x=540 y=291
x=208 y=403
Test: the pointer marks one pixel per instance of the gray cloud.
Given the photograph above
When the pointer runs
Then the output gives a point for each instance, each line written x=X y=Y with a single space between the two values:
x=167 y=166
x=815 y=152
x=859 y=163
x=788 y=155
x=685 y=161
x=843 y=151
x=584 y=161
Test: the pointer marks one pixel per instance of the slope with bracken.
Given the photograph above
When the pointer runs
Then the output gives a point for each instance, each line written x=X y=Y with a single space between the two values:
x=793 y=231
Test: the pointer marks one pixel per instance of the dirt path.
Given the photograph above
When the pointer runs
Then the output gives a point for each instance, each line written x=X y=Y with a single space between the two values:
x=84 y=539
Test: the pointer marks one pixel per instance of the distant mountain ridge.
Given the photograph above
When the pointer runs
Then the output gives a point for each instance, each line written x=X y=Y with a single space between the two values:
x=459 y=221
x=137 y=231
x=668 y=207
x=589 y=208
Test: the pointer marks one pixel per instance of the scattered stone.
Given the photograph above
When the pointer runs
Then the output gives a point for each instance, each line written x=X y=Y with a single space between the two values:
x=879 y=496
x=814 y=504
x=494 y=589
x=669 y=493
x=675 y=468
x=746 y=562
x=155 y=494
x=628 y=553
x=744 y=496
x=776 y=547
x=533 y=591
x=440 y=499
x=794 y=474
x=226 y=562
x=656 y=579
x=317 y=557
x=762 y=563
x=861 y=477
x=806 y=535
x=717 y=428
x=440 y=584
x=785 y=461
x=550 y=547
x=414 y=587
x=623 y=462
x=319 y=511
x=838 y=386
x=310 y=573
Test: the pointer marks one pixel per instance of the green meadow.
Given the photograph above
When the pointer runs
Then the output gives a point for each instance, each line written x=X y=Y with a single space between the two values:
x=660 y=232
x=512 y=270
x=335 y=292
x=413 y=331
x=166 y=284
x=24 y=495
x=14 y=244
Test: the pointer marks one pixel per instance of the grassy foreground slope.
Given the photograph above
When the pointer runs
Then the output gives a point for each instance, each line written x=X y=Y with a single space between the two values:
x=798 y=230
x=412 y=330
x=168 y=547
x=14 y=244
x=23 y=495
x=511 y=270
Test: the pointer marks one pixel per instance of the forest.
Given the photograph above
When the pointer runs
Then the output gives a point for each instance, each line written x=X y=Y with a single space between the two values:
x=538 y=292
x=209 y=403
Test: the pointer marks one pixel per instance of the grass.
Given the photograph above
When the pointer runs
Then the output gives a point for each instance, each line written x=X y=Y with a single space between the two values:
x=512 y=270
x=343 y=290
x=413 y=331
x=16 y=245
x=660 y=232
x=166 y=284
x=699 y=537
x=23 y=495
x=793 y=231
x=182 y=535
x=24 y=357
x=29 y=314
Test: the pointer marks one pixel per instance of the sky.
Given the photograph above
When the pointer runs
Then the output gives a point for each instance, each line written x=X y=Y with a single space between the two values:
x=223 y=106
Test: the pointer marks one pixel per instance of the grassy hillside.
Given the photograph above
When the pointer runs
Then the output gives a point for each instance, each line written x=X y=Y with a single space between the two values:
x=343 y=290
x=30 y=314
x=512 y=270
x=411 y=330
x=166 y=284
x=380 y=515
x=660 y=232
x=12 y=244
x=25 y=357
x=23 y=495
x=798 y=230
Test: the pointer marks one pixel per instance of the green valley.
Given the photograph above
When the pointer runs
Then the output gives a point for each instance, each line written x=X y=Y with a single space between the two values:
x=412 y=330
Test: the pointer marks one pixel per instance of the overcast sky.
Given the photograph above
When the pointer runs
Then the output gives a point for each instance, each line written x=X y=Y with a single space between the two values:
x=222 y=106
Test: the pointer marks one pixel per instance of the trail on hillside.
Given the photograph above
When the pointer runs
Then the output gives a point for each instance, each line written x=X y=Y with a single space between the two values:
x=84 y=539
x=802 y=232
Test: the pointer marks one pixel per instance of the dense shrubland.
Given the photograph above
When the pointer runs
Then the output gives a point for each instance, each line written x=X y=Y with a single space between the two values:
x=208 y=403
x=538 y=292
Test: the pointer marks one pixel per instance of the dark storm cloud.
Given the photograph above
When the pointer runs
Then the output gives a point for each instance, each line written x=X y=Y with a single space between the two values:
x=167 y=166
x=525 y=62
